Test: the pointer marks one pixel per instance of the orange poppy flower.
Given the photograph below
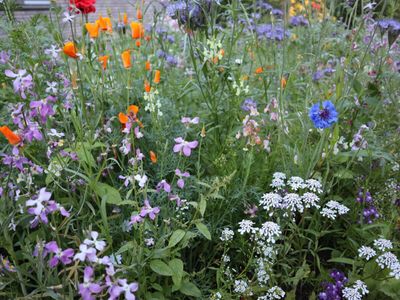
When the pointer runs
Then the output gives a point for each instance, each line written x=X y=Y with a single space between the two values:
x=157 y=76
x=139 y=14
x=153 y=157
x=137 y=30
x=126 y=59
x=125 y=19
x=134 y=109
x=105 y=24
x=12 y=137
x=147 y=66
x=147 y=86
x=70 y=49
x=131 y=113
x=93 y=29
x=259 y=70
x=138 y=43
x=123 y=118
x=103 y=60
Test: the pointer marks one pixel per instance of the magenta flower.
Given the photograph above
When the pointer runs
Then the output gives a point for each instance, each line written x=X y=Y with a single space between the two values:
x=65 y=257
x=163 y=185
x=147 y=210
x=43 y=108
x=88 y=288
x=184 y=146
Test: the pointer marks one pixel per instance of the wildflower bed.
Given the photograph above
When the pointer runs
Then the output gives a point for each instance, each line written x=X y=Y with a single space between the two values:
x=212 y=150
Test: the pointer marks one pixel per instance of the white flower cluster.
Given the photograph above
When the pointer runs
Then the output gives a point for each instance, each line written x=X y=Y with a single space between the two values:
x=153 y=103
x=291 y=202
x=385 y=260
x=262 y=275
x=240 y=286
x=273 y=293
x=333 y=208
x=268 y=233
x=227 y=235
x=356 y=292
x=213 y=50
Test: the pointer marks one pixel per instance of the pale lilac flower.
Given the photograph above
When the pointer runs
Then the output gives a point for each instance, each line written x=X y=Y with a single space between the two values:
x=147 y=210
x=184 y=146
x=181 y=181
x=136 y=218
x=88 y=288
x=86 y=252
x=68 y=17
x=43 y=108
x=99 y=245
x=22 y=82
x=251 y=211
x=51 y=87
x=139 y=155
x=141 y=179
x=52 y=51
x=137 y=132
x=4 y=57
x=187 y=121
x=163 y=184
x=175 y=198
x=65 y=257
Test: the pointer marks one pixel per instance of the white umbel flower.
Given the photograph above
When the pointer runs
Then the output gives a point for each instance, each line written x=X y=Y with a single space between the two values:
x=366 y=252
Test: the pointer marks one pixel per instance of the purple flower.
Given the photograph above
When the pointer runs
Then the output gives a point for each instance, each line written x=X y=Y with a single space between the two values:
x=88 y=288
x=43 y=108
x=136 y=219
x=147 y=210
x=163 y=185
x=317 y=76
x=249 y=105
x=21 y=82
x=65 y=257
x=175 y=198
x=184 y=146
x=298 y=21
x=171 y=61
x=272 y=32
x=41 y=205
x=277 y=12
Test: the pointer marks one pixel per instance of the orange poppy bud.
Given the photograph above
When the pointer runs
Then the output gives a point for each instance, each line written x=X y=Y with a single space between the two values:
x=222 y=52
x=105 y=24
x=259 y=70
x=215 y=60
x=137 y=30
x=123 y=118
x=138 y=43
x=125 y=19
x=153 y=157
x=139 y=14
x=147 y=87
x=70 y=49
x=126 y=59
x=157 y=76
x=93 y=29
x=12 y=137
x=147 y=66
x=103 y=60
x=283 y=82
x=133 y=109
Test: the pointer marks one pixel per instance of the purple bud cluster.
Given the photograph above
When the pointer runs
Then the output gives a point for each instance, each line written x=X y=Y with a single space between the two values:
x=369 y=213
x=333 y=291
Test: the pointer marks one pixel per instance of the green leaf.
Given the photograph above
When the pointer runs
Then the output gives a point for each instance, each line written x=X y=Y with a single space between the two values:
x=176 y=266
x=161 y=267
x=176 y=237
x=391 y=288
x=189 y=289
x=202 y=206
x=344 y=174
x=128 y=246
x=84 y=154
x=342 y=260
x=204 y=230
x=108 y=193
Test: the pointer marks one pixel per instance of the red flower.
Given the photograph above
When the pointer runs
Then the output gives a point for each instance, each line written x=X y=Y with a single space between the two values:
x=84 y=6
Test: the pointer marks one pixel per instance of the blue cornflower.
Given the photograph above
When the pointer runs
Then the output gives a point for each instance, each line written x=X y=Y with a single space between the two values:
x=325 y=116
x=272 y=32
x=298 y=21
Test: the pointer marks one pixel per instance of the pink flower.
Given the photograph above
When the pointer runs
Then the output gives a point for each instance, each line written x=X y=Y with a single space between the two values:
x=187 y=121
x=184 y=146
